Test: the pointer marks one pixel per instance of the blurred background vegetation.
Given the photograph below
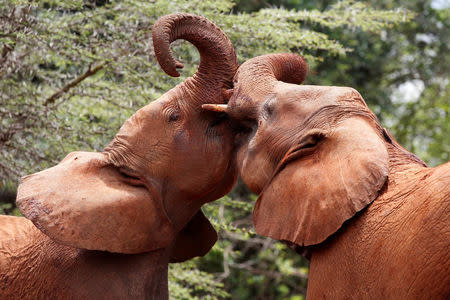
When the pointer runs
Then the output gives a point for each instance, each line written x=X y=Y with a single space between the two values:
x=71 y=72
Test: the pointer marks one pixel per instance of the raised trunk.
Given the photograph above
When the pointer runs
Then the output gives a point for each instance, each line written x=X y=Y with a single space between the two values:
x=257 y=77
x=218 y=62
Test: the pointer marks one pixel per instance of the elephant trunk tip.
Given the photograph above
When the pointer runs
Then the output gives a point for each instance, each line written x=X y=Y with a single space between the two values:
x=218 y=62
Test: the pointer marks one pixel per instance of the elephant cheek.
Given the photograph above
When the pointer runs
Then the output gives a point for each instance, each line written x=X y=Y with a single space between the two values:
x=255 y=170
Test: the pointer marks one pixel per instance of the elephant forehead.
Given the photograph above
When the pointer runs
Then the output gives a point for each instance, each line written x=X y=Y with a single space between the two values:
x=305 y=101
x=143 y=138
x=314 y=93
x=142 y=119
x=343 y=95
x=292 y=92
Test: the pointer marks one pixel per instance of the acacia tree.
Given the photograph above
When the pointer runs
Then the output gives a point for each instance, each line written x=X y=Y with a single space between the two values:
x=73 y=71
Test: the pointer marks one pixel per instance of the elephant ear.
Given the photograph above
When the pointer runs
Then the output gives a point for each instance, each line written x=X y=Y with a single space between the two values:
x=321 y=182
x=195 y=239
x=85 y=202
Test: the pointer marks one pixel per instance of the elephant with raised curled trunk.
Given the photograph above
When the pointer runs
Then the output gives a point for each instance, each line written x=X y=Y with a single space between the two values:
x=110 y=222
x=335 y=186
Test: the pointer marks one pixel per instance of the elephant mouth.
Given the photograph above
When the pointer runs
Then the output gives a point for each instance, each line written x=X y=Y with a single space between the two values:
x=227 y=180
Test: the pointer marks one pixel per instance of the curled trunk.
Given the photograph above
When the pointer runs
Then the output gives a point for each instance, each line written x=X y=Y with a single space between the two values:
x=258 y=76
x=218 y=62
x=256 y=79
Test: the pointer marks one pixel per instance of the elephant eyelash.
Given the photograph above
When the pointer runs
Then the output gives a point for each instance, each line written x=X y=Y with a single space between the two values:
x=129 y=177
x=312 y=140
x=268 y=109
x=172 y=113
x=174 y=117
x=306 y=146
x=310 y=144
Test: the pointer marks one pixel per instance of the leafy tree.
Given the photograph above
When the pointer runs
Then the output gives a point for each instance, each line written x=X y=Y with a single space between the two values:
x=402 y=73
x=73 y=71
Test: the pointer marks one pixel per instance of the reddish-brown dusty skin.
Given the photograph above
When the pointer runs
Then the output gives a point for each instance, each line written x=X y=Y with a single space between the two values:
x=33 y=266
x=373 y=217
x=140 y=198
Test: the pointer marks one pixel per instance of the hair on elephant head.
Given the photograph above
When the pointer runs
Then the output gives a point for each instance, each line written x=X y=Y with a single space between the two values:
x=145 y=190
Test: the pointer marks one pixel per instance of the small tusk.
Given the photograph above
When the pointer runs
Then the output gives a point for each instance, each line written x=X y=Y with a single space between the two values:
x=179 y=65
x=215 y=107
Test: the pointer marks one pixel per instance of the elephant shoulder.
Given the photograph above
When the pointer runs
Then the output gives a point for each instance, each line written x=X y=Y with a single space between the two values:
x=15 y=230
x=36 y=267
x=429 y=225
x=441 y=174
x=18 y=239
x=437 y=185
x=430 y=216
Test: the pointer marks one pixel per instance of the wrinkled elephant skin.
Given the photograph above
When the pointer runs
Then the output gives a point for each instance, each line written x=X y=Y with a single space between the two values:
x=335 y=185
x=110 y=222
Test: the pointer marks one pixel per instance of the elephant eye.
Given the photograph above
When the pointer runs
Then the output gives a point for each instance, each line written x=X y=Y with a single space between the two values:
x=311 y=140
x=130 y=177
x=172 y=113
x=268 y=108
x=174 y=116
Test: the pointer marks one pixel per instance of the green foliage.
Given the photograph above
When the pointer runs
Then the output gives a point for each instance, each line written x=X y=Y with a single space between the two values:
x=348 y=13
x=71 y=72
x=402 y=74
x=188 y=283
x=7 y=199
x=49 y=44
x=250 y=266
x=423 y=124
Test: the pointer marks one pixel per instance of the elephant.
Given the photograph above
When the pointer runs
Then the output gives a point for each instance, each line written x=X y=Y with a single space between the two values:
x=105 y=225
x=336 y=186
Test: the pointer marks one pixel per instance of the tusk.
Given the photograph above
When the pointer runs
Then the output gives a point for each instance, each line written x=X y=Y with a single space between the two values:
x=179 y=65
x=215 y=107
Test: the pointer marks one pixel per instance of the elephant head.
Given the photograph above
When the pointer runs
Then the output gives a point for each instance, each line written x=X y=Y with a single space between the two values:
x=145 y=190
x=316 y=155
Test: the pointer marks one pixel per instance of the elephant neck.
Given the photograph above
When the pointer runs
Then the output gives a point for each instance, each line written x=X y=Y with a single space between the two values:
x=143 y=275
x=399 y=233
x=400 y=159
x=40 y=268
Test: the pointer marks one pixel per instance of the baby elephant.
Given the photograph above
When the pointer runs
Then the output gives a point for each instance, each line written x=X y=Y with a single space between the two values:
x=110 y=222
x=334 y=184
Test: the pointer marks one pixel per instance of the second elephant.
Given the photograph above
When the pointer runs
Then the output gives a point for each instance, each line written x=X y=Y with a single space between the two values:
x=333 y=183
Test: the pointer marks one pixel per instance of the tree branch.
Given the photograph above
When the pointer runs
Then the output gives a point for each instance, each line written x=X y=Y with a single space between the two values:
x=90 y=71
x=6 y=49
x=9 y=170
